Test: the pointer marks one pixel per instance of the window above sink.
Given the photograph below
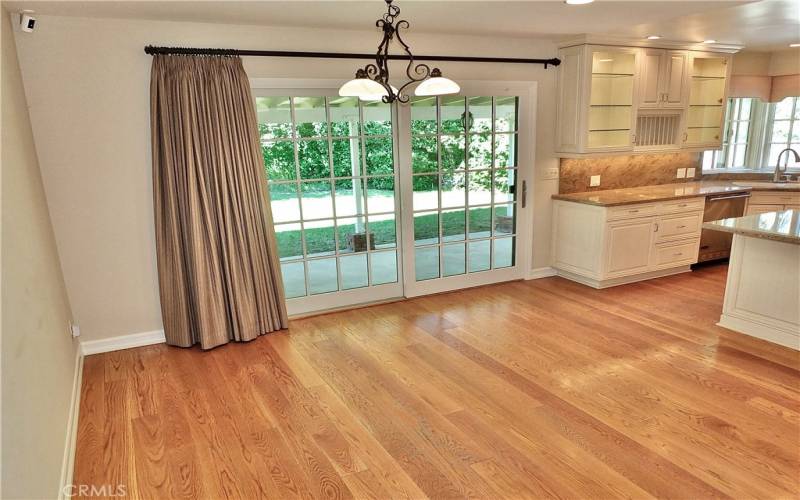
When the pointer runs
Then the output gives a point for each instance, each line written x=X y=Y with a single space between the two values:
x=754 y=133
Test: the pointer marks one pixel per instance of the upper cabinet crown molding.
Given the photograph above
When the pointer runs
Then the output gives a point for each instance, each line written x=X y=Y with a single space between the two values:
x=726 y=48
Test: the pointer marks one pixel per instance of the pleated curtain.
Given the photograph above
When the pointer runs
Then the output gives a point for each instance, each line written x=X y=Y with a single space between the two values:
x=218 y=270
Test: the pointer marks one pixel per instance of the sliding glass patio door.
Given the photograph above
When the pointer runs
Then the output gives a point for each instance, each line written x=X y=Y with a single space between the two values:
x=330 y=163
x=463 y=188
x=372 y=201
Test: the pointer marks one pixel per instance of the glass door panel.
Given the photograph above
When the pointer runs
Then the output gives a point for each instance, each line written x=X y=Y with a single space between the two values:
x=611 y=99
x=330 y=164
x=339 y=171
x=706 y=100
x=464 y=192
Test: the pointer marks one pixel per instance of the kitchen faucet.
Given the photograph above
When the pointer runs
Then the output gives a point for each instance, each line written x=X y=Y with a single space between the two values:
x=777 y=176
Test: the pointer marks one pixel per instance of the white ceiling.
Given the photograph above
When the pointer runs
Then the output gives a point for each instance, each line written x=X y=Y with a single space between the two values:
x=758 y=25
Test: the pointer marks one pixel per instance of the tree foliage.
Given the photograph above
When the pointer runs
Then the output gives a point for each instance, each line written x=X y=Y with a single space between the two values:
x=314 y=161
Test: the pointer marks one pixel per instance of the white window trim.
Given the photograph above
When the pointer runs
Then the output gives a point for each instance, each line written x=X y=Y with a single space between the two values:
x=759 y=133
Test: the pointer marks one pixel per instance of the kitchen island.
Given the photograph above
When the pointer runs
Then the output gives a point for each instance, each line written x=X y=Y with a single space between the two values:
x=762 y=294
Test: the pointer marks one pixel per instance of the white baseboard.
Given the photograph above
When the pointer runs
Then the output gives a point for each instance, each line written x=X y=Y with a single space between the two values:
x=540 y=272
x=122 y=342
x=770 y=333
x=624 y=280
x=68 y=462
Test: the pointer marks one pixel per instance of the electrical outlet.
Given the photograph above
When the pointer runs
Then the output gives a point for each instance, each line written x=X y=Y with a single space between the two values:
x=551 y=173
x=594 y=181
x=690 y=172
x=681 y=173
x=74 y=330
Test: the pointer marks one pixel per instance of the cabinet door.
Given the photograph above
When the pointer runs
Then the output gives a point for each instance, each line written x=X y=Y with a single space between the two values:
x=708 y=79
x=650 y=70
x=612 y=95
x=570 y=86
x=628 y=247
x=674 y=79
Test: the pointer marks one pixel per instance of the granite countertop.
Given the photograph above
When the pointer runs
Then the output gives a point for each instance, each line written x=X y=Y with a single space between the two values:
x=627 y=196
x=779 y=226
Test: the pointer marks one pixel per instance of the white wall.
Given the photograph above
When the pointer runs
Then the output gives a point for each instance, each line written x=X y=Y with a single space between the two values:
x=38 y=353
x=87 y=83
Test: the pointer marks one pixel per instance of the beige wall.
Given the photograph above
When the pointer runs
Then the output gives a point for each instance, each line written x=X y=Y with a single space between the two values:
x=785 y=62
x=751 y=64
x=781 y=62
x=87 y=82
x=38 y=354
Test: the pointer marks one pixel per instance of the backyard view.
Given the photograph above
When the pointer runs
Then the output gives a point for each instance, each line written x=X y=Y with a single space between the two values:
x=331 y=168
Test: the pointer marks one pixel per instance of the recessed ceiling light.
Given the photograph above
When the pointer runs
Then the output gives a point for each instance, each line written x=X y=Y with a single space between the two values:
x=578 y=2
x=709 y=41
x=793 y=45
x=653 y=37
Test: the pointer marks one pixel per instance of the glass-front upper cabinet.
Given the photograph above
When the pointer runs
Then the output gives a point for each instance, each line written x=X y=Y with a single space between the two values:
x=596 y=99
x=611 y=116
x=707 y=90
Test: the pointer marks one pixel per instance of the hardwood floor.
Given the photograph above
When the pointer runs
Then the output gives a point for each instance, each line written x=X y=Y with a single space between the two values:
x=529 y=389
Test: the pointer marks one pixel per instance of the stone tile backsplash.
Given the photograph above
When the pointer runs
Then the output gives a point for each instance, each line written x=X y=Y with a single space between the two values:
x=625 y=171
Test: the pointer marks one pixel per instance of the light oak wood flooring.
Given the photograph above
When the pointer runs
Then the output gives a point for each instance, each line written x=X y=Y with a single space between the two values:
x=532 y=389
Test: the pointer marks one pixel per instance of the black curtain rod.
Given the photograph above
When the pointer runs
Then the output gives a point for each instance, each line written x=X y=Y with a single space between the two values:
x=152 y=50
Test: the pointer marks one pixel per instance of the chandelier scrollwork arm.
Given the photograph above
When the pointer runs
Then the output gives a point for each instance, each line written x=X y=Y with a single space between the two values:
x=379 y=71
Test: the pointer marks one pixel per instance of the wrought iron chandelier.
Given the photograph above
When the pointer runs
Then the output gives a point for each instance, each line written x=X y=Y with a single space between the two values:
x=372 y=81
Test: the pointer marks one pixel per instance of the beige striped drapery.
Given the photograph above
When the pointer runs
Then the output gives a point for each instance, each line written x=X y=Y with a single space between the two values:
x=218 y=269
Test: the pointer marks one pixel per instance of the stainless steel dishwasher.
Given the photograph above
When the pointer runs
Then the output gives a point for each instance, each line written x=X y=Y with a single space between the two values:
x=715 y=245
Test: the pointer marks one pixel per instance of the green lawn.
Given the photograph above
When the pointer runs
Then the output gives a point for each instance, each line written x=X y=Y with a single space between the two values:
x=319 y=240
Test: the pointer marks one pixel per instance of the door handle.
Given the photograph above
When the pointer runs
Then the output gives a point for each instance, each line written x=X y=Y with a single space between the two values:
x=719 y=198
x=524 y=193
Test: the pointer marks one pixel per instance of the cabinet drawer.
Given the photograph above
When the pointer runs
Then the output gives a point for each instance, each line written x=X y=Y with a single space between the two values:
x=760 y=209
x=680 y=226
x=687 y=205
x=774 y=198
x=669 y=255
x=631 y=211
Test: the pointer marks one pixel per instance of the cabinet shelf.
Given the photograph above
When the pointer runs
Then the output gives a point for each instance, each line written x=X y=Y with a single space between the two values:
x=706 y=126
x=611 y=75
x=608 y=129
x=697 y=77
x=611 y=105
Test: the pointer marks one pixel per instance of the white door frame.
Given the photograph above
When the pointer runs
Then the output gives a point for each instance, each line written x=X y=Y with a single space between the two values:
x=527 y=93
x=407 y=285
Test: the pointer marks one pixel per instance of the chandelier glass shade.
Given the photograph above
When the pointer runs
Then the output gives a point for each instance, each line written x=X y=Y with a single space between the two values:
x=372 y=81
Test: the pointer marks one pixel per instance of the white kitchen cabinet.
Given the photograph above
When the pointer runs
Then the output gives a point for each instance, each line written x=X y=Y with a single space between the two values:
x=628 y=246
x=597 y=97
x=663 y=79
x=761 y=209
x=708 y=88
x=608 y=246
x=771 y=201
x=616 y=99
